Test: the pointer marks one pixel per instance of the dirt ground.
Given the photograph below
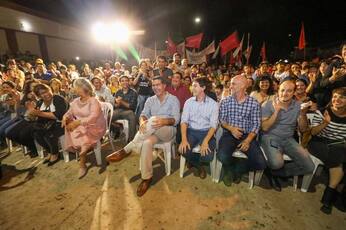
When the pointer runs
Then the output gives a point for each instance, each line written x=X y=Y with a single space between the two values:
x=34 y=196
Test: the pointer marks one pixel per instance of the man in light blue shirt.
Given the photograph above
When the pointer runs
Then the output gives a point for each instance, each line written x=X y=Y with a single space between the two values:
x=198 y=125
x=157 y=123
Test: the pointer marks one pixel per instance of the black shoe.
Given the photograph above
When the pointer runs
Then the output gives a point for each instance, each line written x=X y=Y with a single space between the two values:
x=273 y=180
x=46 y=160
x=328 y=199
x=237 y=178
x=51 y=163
x=228 y=178
x=33 y=155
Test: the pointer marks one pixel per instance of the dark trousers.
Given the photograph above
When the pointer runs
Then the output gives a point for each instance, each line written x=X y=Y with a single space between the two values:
x=21 y=133
x=228 y=144
x=49 y=140
x=195 y=138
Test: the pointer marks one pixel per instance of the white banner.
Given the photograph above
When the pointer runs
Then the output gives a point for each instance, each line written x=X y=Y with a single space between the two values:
x=145 y=52
x=209 y=49
x=196 y=58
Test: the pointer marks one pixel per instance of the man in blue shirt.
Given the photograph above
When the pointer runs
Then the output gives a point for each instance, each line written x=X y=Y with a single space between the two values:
x=157 y=124
x=125 y=102
x=241 y=120
x=198 y=125
x=162 y=70
x=281 y=117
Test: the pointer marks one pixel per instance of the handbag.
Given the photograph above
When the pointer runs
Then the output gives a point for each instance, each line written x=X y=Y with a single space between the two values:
x=43 y=126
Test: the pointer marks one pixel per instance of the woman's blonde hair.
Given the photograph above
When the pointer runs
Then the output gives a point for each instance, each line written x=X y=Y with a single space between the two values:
x=85 y=84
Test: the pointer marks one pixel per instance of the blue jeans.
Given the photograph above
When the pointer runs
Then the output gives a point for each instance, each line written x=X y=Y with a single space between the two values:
x=5 y=125
x=228 y=144
x=274 y=147
x=195 y=138
x=3 y=120
x=140 y=104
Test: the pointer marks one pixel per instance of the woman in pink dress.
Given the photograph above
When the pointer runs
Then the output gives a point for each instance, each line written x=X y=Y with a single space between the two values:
x=84 y=122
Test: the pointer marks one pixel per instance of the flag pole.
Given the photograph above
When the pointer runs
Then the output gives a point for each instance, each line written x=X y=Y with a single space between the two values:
x=248 y=48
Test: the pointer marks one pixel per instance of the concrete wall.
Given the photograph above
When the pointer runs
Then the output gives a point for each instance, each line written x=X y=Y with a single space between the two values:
x=63 y=41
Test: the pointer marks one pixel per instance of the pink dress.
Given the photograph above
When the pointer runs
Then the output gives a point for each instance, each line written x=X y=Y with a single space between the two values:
x=92 y=128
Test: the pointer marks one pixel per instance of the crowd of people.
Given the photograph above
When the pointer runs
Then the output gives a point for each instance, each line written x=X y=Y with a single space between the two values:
x=261 y=112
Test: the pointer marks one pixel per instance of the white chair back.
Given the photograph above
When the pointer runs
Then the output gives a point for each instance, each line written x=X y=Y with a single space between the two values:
x=107 y=110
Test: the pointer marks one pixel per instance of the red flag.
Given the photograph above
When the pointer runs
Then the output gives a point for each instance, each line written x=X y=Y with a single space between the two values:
x=248 y=54
x=263 y=52
x=229 y=43
x=194 y=41
x=171 y=46
x=302 y=43
x=232 y=59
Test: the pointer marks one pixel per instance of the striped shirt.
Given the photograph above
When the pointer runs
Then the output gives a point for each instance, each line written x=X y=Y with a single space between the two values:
x=200 y=115
x=335 y=130
x=246 y=115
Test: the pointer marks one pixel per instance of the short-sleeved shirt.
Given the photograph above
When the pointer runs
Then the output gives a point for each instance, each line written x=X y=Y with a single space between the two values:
x=244 y=115
x=58 y=107
x=286 y=121
x=200 y=115
x=335 y=130
x=130 y=97
x=144 y=86
x=169 y=108
x=166 y=74
x=182 y=93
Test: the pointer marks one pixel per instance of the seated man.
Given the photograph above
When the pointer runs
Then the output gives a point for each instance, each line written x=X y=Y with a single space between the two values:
x=198 y=125
x=125 y=105
x=157 y=124
x=279 y=121
x=240 y=119
x=103 y=93
x=181 y=92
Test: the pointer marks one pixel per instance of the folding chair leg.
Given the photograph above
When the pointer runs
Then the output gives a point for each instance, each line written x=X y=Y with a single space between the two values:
x=307 y=180
x=295 y=183
x=217 y=172
x=168 y=159
x=182 y=166
x=97 y=151
x=9 y=144
x=258 y=177
x=39 y=149
x=251 y=179
x=111 y=141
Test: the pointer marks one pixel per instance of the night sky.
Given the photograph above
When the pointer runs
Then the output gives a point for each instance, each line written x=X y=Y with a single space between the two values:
x=269 y=21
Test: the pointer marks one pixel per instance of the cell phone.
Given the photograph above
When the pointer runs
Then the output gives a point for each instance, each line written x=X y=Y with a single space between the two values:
x=274 y=144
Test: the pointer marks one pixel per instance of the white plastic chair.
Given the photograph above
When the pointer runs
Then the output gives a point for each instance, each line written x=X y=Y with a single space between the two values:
x=168 y=149
x=125 y=124
x=308 y=178
x=317 y=162
x=9 y=145
x=107 y=110
x=254 y=177
x=196 y=150
x=295 y=178
x=65 y=154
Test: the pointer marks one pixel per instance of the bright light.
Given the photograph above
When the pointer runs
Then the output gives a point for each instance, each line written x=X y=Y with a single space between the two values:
x=98 y=31
x=107 y=33
x=197 y=20
x=26 y=26
x=120 y=32
x=77 y=58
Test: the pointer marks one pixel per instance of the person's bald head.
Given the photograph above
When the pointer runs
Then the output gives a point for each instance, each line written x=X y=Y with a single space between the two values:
x=238 y=84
